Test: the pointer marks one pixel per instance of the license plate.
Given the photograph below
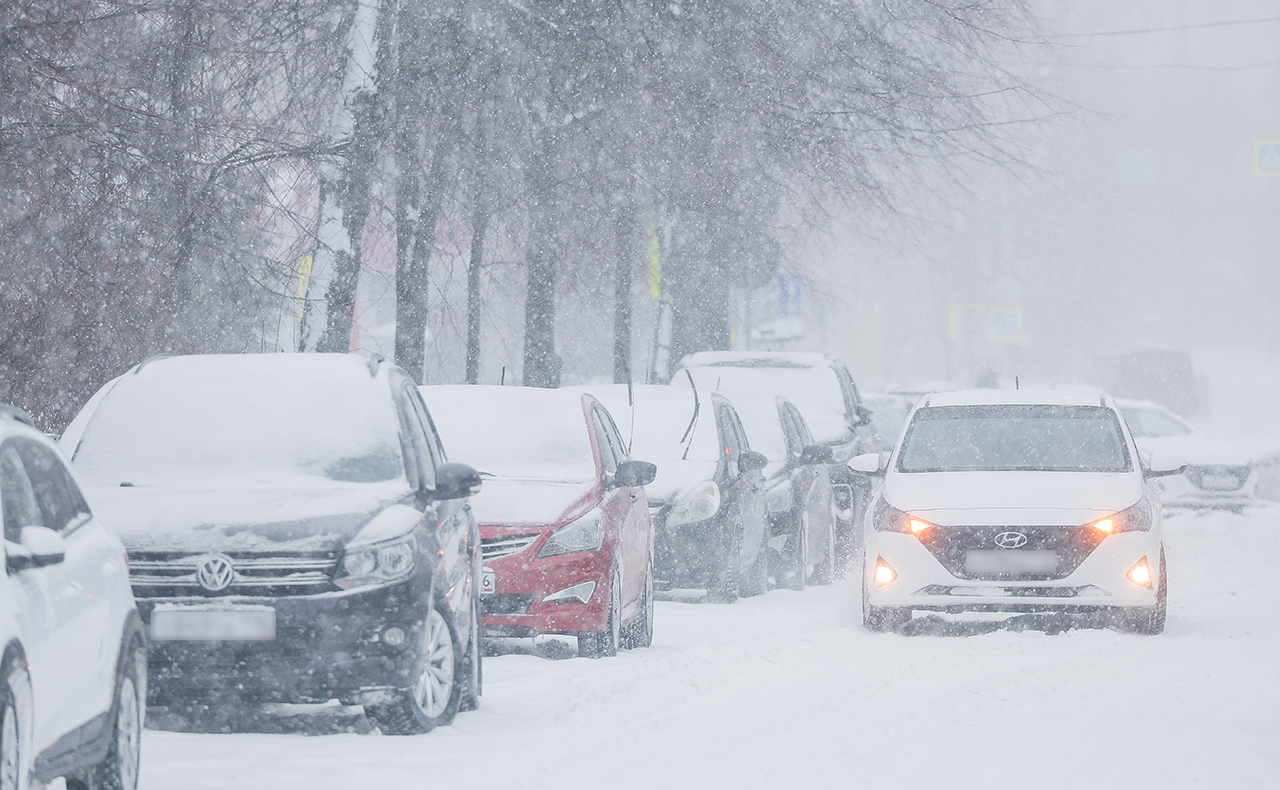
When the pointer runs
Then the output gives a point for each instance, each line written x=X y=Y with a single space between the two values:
x=213 y=625
x=1011 y=561
x=488 y=581
x=1219 y=482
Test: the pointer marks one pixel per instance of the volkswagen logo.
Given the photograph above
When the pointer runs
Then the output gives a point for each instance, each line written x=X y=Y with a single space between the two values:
x=1011 y=540
x=214 y=572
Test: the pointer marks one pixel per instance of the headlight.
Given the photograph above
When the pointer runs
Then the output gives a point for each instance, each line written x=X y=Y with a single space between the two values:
x=889 y=519
x=378 y=563
x=585 y=534
x=702 y=503
x=1134 y=519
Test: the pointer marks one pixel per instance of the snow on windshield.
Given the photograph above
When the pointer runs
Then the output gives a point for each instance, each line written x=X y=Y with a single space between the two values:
x=995 y=438
x=815 y=391
x=522 y=432
x=1145 y=423
x=271 y=418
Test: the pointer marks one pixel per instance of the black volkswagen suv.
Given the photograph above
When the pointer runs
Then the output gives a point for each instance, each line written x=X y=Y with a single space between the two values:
x=294 y=531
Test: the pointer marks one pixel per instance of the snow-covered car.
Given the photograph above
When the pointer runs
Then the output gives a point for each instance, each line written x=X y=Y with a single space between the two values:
x=999 y=501
x=1268 y=471
x=798 y=491
x=822 y=389
x=565 y=526
x=295 y=533
x=73 y=696
x=889 y=416
x=1218 y=475
x=711 y=526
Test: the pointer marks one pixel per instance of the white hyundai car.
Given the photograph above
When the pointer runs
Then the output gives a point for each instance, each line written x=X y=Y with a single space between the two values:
x=1015 y=502
x=73 y=696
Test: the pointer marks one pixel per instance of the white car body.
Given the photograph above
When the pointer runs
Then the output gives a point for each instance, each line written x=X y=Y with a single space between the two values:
x=69 y=625
x=975 y=520
x=1218 y=475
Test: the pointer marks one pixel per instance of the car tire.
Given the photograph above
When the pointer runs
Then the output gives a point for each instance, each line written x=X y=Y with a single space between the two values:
x=882 y=619
x=14 y=745
x=119 y=769
x=440 y=667
x=1149 y=620
x=639 y=632
x=725 y=589
x=604 y=643
x=474 y=661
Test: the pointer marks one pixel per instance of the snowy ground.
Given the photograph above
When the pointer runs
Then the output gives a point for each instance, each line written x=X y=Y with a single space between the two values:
x=787 y=690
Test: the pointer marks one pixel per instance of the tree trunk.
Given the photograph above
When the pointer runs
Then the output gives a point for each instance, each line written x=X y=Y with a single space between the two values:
x=624 y=265
x=412 y=273
x=479 y=229
x=542 y=366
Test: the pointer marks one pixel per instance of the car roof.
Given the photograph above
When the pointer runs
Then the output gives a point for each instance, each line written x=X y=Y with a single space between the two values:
x=1130 y=403
x=1028 y=397
x=761 y=359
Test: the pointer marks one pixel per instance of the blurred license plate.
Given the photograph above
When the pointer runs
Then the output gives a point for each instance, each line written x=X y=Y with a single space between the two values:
x=222 y=625
x=1219 y=482
x=1011 y=561
x=488 y=581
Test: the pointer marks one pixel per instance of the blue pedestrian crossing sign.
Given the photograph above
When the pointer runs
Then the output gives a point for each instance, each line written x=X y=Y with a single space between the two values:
x=1266 y=158
x=790 y=296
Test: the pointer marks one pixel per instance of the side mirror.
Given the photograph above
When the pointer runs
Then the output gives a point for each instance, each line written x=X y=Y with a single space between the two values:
x=1165 y=465
x=866 y=464
x=633 y=473
x=456 y=481
x=751 y=460
x=37 y=547
x=814 y=455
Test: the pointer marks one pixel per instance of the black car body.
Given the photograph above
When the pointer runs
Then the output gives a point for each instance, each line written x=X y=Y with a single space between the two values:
x=358 y=582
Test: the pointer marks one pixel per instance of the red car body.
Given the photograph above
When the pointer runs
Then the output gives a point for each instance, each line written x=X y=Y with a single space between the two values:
x=518 y=523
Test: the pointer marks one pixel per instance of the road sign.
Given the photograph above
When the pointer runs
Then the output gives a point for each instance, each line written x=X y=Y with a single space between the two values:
x=1266 y=158
x=790 y=296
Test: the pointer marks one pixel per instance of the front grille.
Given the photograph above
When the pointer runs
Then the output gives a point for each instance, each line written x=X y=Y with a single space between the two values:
x=158 y=575
x=496 y=548
x=950 y=545
x=1012 y=592
x=1218 y=478
x=505 y=603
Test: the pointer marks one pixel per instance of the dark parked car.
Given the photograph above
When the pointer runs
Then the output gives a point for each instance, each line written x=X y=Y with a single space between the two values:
x=711 y=526
x=294 y=531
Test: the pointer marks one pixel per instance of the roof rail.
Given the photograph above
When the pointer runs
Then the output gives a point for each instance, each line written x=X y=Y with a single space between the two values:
x=374 y=361
x=152 y=358
x=16 y=414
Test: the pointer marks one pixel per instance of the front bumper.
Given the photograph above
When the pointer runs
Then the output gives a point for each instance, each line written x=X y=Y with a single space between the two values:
x=327 y=645
x=690 y=555
x=1099 y=582
x=521 y=582
x=1180 y=492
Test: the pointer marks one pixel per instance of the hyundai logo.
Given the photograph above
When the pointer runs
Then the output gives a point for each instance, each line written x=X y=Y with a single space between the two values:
x=214 y=572
x=1011 y=540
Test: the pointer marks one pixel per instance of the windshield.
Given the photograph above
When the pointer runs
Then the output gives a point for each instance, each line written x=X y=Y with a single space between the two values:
x=1149 y=423
x=269 y=419
x=999 y=438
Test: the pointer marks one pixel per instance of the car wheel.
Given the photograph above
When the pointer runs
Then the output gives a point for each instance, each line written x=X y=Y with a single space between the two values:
x=119 y=770
x=13 y=726
x=725 y=588
x=882 y=619
x=1150 y=620
x=639 y=632
x=604 y=643
x=436 y=694
x=475 y=661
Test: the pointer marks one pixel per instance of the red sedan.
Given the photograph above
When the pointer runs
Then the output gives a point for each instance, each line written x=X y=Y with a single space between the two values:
x=564 y=523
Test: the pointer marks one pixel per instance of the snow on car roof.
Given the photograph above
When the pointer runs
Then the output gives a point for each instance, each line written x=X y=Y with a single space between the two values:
x=763 y=424
x=518 y=432
x=800 y=359
x=262 y=418
x=662 y=416
x=815 y=391
x=1028 y=397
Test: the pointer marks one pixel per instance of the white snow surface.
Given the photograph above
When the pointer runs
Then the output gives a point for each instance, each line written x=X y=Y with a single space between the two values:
x=787 y=690
x=815 y=391
x=1063 y=498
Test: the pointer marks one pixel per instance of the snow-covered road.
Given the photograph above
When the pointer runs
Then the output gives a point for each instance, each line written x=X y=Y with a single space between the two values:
x=788 y=691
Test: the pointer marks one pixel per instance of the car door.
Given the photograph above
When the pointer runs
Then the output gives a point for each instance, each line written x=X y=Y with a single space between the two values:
x=629 y=505
x=750 y=491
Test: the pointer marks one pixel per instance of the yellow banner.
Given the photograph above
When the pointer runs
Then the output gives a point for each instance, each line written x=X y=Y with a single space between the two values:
x=655 y=263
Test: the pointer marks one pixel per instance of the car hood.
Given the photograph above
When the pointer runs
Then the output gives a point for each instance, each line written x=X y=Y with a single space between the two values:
x=239 y=519
x=676 y=478
x=1195 y=450
x=1013 y=498
x=507 y=500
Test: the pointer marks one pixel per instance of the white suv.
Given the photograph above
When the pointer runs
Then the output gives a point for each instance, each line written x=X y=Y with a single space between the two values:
x=73 y=695
x=1016 y=502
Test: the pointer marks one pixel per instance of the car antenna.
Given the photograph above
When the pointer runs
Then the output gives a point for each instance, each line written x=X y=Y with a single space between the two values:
x=631 y=401
x=502 y=381
x=697 y=406
x=1015 y=383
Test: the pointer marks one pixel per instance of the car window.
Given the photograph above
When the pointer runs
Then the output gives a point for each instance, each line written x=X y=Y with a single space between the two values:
x=424 y=463
x=60 y=501
x=730 y=439
x=17 y=495
x=609 y=453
